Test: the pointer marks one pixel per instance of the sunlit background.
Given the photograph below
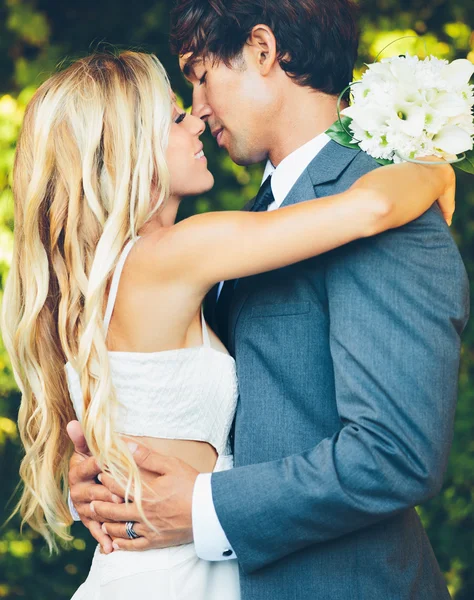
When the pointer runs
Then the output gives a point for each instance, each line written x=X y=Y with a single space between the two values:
x=35 y=36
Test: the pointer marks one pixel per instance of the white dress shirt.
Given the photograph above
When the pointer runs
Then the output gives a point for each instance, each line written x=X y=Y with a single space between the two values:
x=210 y=541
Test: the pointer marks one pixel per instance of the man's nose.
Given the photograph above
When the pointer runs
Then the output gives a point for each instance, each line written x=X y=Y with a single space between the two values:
x=200 y=108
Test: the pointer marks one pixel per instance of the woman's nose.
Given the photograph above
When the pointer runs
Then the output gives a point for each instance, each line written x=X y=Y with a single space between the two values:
x=198 y=125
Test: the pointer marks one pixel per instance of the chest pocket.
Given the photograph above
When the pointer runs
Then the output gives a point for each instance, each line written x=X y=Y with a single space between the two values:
x=286 y=309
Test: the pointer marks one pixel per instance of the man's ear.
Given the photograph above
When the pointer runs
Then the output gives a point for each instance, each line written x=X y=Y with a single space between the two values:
x=262 y=45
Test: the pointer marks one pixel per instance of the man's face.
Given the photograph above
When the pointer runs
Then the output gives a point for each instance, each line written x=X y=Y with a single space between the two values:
x=236 y=103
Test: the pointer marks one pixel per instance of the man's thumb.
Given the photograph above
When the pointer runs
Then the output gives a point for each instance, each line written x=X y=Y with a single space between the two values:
x=74 y=431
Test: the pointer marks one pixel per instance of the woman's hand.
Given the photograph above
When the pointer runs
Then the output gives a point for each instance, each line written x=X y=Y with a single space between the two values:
x=447 y=200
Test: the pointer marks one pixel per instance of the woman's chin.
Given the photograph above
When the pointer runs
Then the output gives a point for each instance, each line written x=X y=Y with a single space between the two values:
x=198 y=186
x=207 y=184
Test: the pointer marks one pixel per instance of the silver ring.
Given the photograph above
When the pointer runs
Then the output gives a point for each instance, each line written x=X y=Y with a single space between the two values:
x=129 y=530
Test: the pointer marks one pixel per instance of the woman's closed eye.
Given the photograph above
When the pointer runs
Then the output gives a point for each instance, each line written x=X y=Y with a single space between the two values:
x=180 y=118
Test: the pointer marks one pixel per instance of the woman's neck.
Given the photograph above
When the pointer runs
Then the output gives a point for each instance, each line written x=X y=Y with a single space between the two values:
x=166 y=217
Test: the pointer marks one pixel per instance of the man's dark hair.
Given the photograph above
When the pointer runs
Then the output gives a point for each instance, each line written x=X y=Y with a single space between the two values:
x=316 y=39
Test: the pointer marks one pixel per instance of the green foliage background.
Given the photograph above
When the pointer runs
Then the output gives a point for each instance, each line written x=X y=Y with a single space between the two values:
x=35 y=35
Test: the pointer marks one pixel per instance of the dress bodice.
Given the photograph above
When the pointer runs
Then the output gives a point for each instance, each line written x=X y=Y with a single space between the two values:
x=187 y=394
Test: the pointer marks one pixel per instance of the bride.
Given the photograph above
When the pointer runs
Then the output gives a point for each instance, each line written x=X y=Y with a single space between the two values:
x=102 y=309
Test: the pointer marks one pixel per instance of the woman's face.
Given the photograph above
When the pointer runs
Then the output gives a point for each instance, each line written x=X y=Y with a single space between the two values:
x=185 y=156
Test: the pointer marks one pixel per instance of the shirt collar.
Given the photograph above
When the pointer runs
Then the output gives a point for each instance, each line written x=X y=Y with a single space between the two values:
x=289 y=170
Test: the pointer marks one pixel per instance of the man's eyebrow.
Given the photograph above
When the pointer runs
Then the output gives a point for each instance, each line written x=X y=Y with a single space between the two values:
x=188 y=69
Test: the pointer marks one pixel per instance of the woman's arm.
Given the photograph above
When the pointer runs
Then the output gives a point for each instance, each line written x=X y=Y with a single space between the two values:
x=226 y=245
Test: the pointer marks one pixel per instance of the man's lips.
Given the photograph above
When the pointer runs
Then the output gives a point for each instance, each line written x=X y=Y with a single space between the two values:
x=217 y=133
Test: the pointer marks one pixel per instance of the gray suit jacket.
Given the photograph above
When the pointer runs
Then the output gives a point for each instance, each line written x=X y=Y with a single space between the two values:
x=347 y=367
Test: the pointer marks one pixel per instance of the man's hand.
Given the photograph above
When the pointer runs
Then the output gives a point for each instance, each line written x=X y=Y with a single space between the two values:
x=167 y=504
x=83 y=487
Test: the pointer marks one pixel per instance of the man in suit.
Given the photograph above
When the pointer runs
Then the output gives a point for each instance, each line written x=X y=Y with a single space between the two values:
x=347 y=362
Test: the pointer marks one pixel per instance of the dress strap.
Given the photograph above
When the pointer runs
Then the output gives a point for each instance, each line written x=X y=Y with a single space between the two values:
x=206 y=341
x=115 y=283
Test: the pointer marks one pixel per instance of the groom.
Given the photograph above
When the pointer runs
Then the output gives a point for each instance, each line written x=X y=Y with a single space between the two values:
x=347 y=362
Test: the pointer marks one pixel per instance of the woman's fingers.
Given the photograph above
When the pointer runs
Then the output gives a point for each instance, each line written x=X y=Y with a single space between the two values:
x=447 y=201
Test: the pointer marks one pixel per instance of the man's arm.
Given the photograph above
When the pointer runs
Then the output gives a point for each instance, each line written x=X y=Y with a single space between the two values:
x=397 y=304
x=210 y=540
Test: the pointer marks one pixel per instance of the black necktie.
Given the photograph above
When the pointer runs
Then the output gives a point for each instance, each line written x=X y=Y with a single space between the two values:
x=262 y=202
x=264 y=197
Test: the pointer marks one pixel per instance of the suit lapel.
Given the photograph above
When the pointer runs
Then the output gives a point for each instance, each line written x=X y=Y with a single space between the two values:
x=302 y=190
x=325 y=167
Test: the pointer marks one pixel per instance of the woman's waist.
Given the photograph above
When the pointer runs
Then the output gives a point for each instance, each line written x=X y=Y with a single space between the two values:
x=201 y=455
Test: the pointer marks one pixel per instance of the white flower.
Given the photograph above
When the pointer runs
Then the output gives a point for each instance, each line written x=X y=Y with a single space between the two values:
x=453 y=140
x=405 y=107
x=449 y=104
x=371 y=120
x=458 y=72
x=407 y=118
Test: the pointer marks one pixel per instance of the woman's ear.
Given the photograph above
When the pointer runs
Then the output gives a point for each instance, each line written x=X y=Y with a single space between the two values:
x=262 y=46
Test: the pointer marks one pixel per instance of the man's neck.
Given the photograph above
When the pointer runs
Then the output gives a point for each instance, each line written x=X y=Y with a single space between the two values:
x=304 y=115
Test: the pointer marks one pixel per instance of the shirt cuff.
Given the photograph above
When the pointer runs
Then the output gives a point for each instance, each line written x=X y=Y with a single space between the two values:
x=72 y=510
x=210 y=541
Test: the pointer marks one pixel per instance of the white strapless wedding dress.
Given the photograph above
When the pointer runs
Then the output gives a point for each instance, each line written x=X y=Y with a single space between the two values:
x=186 y=394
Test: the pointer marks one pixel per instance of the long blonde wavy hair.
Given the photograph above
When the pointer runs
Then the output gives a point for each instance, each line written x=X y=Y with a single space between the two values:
x=90 y=157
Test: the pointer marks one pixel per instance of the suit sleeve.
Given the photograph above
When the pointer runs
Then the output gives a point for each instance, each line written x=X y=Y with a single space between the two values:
x=397 y=306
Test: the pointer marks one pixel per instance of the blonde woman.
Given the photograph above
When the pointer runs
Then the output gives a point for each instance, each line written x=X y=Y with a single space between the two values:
x=102 y=309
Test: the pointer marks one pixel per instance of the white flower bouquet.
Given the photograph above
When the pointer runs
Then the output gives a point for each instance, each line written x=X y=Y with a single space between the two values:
x=404 y=108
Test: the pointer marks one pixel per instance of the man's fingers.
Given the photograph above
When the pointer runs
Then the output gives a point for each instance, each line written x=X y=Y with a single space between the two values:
x=447 y=202
x=87 y=492
x=100 y=536
x=136 y=545
x=74 y=430
x=112 y=486
x=151 y=461
x=118 y=530
x=86 y=470
x=106 y=511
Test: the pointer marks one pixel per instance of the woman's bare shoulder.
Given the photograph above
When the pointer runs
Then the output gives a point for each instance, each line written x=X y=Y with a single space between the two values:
x=161 y=254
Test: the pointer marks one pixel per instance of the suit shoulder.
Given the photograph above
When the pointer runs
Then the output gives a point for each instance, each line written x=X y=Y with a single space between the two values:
x=365 y=161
